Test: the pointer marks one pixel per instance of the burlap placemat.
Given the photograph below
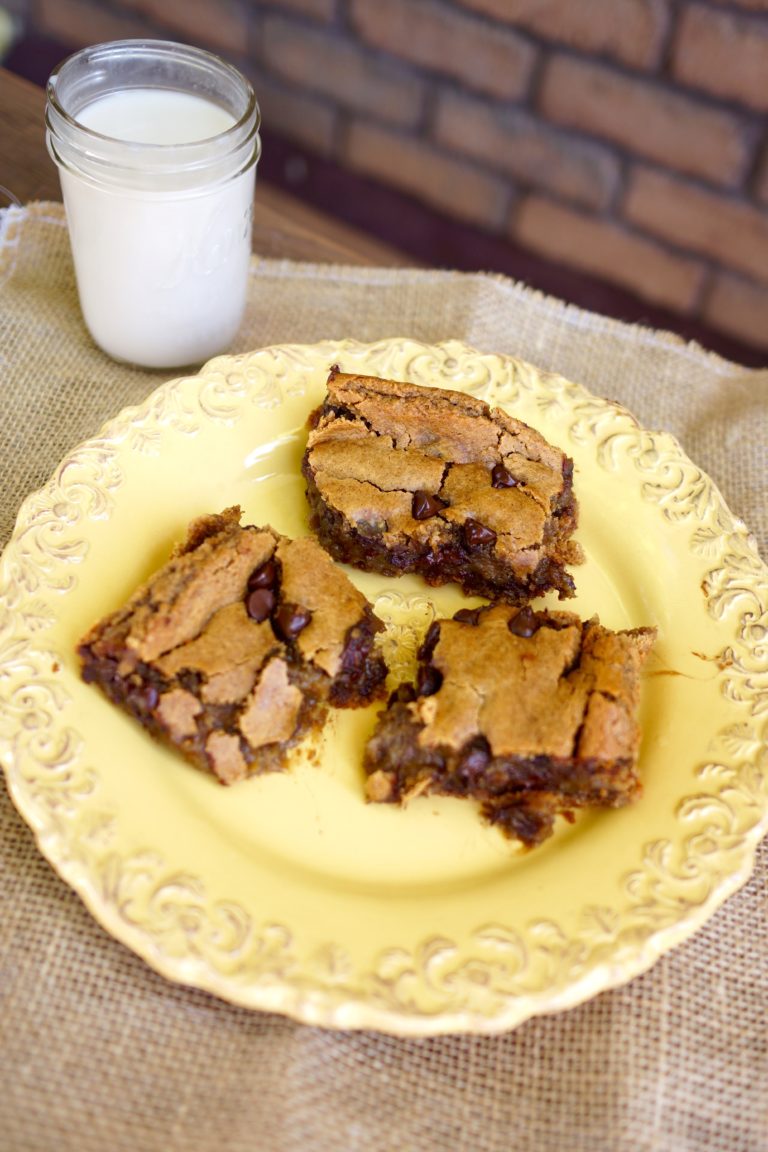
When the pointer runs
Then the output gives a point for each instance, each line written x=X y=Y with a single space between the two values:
x=97 y=1052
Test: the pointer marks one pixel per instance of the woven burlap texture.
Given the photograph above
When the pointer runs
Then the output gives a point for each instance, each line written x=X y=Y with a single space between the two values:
x=97 y=1052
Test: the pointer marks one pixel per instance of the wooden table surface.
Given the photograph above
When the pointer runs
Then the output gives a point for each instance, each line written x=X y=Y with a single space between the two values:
x=282 y=226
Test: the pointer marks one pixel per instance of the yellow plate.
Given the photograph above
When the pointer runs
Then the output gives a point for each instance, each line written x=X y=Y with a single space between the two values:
x=288 y=893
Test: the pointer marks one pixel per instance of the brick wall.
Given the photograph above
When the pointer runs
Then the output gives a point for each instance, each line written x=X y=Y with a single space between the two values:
x=624 y=138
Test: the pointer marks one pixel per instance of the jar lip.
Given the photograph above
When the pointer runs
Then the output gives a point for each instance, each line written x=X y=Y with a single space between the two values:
x=94 y=52
x=108 y=176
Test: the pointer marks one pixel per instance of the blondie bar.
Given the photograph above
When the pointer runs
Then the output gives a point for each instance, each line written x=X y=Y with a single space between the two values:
x=237 y=646
x=530 y=713
x=405 y=478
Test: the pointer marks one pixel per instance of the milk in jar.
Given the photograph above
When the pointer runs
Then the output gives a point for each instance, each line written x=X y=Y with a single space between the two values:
x=158 y=180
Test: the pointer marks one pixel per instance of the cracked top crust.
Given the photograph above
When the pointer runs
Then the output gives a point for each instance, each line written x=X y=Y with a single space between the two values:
x=467 y=430
x=207 y=571
x=568 y=689
x=191 y=614
x=311 y=579
x=237 y=645
x=377 y=446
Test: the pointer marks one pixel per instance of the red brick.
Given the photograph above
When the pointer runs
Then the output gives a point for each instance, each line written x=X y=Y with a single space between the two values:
x=726 y=229
x=220 y=23
x=632 y=31
x=609 y=251
x=750 y=5
x=436 y=36
x=739 y=307
x=319 y=61
x=762 y=178
x=295 y=115
x=533 y=153
x=724 y=54
x=77 y=22
x=649 y=120
x=449 y=185
x=324 y=10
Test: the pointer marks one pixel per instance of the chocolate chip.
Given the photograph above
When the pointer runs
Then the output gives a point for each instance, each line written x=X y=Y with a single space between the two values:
x=424 y=505
x=476 y=757
x=524 y=623
x=259 y=603
x=191 y=681
x=290 y=620
x=144 y=699
x=429 y=643
x=263 y=577
x=403 y=694
x=501 y=478
x=428 y=680
x=467 y=615
x=477 y=534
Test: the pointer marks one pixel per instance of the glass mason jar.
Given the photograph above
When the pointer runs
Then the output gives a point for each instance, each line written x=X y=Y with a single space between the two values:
x=157 y=145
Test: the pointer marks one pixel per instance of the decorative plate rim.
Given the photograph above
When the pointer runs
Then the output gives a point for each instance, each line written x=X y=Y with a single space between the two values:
x=500 y=976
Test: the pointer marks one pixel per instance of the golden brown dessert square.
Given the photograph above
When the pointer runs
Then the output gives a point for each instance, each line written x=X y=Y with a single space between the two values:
x=404 y=478
x=533 y=714
x=235 y=649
